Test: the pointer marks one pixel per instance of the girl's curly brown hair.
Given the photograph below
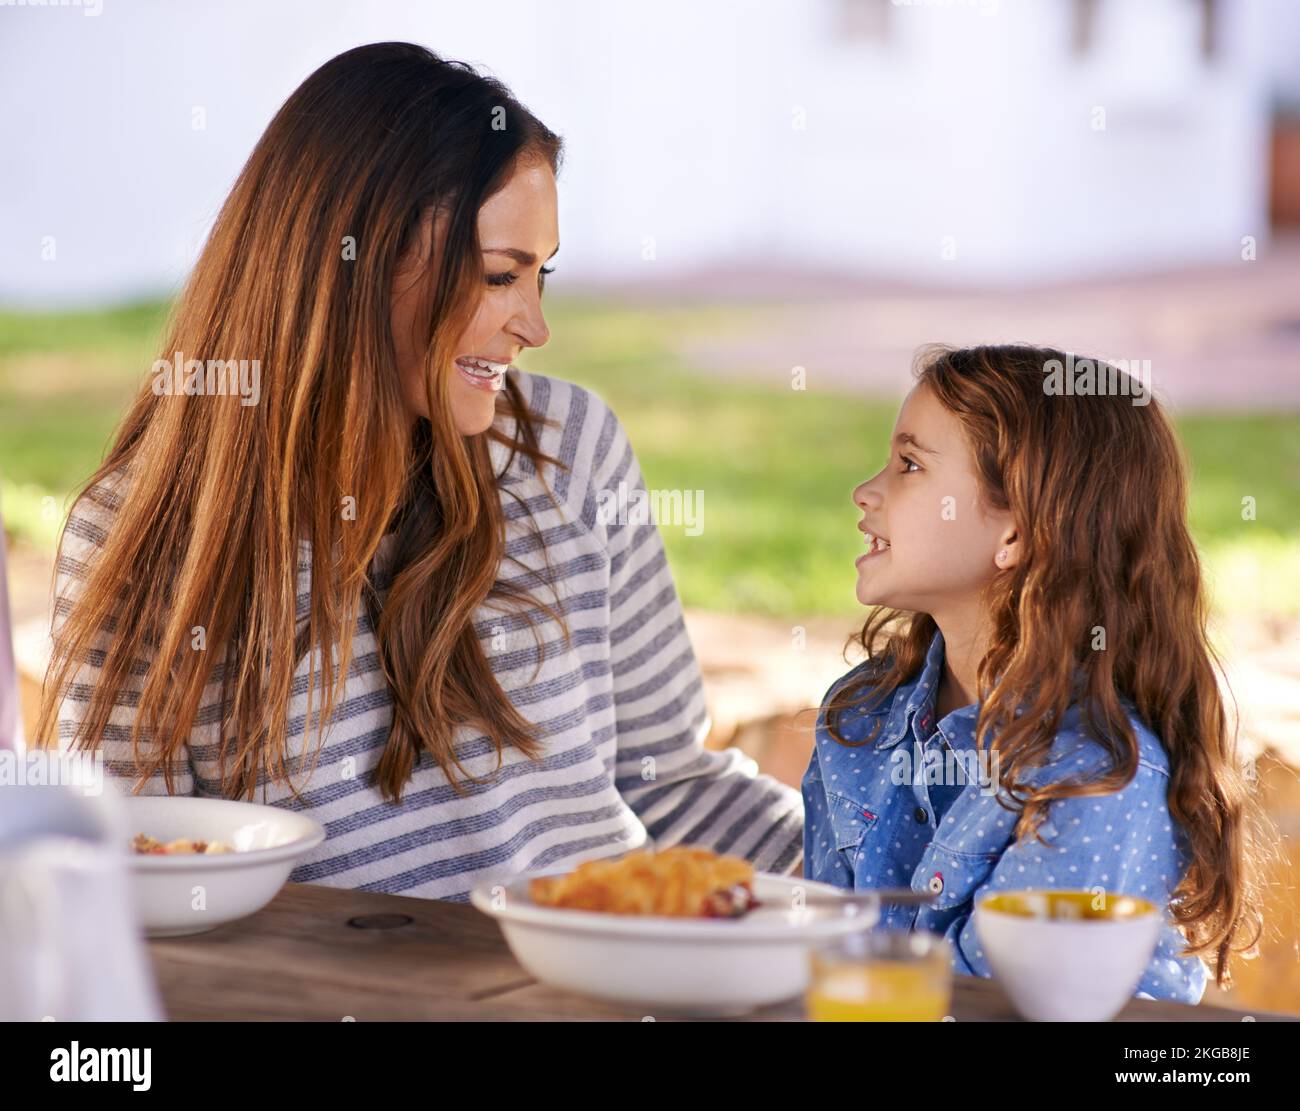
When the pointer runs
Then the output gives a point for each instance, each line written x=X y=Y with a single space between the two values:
x=1098 y=489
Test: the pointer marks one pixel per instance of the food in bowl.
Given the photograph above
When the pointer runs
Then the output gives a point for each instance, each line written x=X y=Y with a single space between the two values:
x=678 y=882
x=1069 y=906
x=151 y=846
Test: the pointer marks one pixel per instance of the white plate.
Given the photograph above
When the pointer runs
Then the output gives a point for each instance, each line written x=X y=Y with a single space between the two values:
x=188 y=893
x=673 y=965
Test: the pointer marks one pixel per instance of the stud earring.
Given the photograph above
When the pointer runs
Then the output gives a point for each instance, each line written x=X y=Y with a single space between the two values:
x=1002 y=556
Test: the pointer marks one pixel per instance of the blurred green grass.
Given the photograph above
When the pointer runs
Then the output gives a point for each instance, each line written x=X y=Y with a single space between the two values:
x=776 y=466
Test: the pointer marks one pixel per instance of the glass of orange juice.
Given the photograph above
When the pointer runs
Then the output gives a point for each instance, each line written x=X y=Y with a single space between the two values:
x=881 y=976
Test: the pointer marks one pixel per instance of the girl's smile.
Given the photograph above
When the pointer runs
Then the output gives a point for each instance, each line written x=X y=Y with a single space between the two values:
x=876 y=545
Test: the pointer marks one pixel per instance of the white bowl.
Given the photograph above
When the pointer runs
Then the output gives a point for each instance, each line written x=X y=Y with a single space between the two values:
x=1067 y=970
x=695 y=966
x=189 y=893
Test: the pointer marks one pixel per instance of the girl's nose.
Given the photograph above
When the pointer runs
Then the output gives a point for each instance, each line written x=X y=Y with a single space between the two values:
x=865 y=496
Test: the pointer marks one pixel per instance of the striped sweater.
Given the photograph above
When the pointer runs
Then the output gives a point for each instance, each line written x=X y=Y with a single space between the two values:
x=621 y=713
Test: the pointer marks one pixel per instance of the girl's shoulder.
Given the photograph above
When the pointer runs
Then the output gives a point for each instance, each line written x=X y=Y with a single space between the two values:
x=863 y=672
x=858 y=695
x=1085 y=750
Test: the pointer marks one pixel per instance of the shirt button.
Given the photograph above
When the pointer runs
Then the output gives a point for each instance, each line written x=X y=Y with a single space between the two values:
x=936 y=883
x=921 y=815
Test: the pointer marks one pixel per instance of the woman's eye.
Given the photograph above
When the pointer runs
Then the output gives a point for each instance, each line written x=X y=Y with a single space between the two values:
x=909 y=465
x=510 y=277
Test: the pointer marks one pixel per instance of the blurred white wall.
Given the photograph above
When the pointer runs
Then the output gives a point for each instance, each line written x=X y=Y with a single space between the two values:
x=869 y=136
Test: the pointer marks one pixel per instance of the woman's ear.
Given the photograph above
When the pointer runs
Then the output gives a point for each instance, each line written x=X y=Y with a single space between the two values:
x=1008 y=552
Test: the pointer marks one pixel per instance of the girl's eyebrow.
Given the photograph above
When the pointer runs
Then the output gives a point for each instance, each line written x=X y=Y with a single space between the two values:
x=908 y=438
x=524 y=258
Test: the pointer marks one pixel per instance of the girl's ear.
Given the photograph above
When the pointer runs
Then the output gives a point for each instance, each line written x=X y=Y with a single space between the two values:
x=1008 y=552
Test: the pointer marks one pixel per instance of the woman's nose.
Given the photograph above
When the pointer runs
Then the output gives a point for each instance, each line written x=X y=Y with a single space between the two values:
x=529 y=326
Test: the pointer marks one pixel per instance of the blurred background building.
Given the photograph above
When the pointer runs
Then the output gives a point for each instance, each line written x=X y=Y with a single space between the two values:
x=956 y=143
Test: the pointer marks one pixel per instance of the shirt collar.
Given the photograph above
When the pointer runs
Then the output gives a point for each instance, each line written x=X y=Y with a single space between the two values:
x=912 y=709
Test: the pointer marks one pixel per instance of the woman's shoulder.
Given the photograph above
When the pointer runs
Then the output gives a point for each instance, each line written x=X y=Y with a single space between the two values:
x=82 y=539
x=575 y=425
x=92 y=513
x=558 y=399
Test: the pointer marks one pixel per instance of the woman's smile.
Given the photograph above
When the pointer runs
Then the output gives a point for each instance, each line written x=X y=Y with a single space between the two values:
x=481 y=373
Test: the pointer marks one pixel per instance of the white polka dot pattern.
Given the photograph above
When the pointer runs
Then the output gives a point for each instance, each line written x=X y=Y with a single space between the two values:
x=911 y=808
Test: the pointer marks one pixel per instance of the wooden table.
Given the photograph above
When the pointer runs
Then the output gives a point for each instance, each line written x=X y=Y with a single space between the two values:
x=325 y=953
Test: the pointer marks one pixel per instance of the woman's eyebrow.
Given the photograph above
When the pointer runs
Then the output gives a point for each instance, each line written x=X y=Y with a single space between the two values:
x=524 y=258
x=908 y=438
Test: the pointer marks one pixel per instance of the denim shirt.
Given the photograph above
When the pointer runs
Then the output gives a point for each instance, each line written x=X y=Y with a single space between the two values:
x=887 y=815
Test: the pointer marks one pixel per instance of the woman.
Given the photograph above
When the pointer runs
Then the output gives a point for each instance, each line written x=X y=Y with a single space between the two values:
x=512 y=686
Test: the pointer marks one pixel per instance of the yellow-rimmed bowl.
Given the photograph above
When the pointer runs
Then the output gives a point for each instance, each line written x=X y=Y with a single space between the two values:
x=1067 y=955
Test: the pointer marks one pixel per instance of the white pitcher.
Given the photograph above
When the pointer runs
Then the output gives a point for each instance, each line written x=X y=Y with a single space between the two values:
x=70 y=948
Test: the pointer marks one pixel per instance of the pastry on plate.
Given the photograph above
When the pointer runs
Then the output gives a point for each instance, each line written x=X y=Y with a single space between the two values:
x=679 y=882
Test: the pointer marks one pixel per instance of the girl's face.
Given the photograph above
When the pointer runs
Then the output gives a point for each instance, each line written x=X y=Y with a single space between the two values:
x=518 y=230
x=938 y=545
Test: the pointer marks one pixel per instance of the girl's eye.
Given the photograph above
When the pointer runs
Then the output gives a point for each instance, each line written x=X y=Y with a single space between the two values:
x=909 y=462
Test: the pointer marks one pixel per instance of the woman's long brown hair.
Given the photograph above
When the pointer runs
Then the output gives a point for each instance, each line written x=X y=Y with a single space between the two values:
x=1097 y=486
x=297 y=274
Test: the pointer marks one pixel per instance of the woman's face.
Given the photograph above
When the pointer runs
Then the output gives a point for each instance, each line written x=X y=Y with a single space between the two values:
x=519 y=231
x=941 y=542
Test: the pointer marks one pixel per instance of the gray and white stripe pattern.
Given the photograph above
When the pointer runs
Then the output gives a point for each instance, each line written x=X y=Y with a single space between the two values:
x=621 y=712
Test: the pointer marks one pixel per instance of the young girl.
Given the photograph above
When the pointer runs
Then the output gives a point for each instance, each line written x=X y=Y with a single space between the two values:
x=371 y=583
x=1038 y=707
